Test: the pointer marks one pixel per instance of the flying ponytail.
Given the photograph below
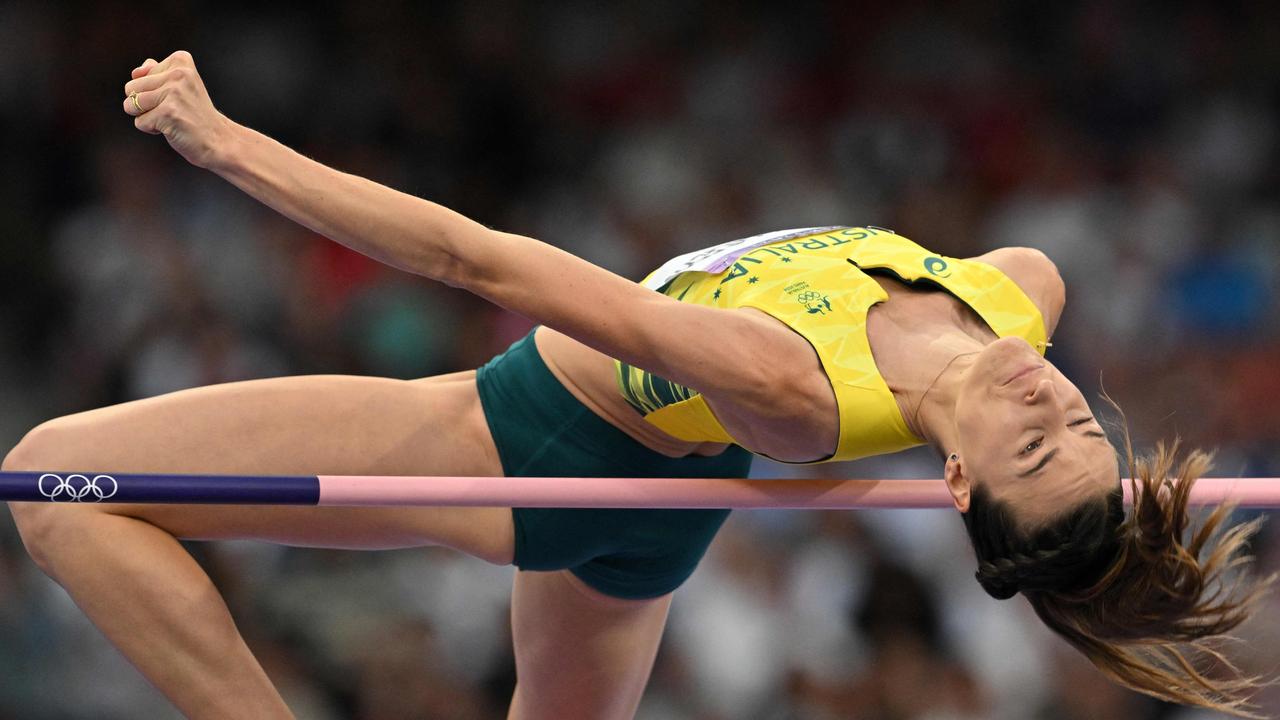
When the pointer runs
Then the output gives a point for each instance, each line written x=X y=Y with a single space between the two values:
x=1143 y=597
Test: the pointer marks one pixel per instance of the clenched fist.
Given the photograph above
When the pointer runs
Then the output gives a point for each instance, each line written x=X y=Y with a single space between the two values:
x=170 y=99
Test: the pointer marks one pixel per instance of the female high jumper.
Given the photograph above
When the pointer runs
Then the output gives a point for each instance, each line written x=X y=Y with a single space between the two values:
x=805 y=346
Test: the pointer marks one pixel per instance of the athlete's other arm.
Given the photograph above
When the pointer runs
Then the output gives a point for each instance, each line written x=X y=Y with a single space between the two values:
x=734 y=354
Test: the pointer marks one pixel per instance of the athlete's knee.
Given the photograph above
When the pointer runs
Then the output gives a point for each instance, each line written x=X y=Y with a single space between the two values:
x=42 y=526
x=26 y=515
x=35 y=448
x=48 y=528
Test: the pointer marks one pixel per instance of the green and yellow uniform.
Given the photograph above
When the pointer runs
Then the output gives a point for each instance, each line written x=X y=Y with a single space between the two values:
x=818 y=282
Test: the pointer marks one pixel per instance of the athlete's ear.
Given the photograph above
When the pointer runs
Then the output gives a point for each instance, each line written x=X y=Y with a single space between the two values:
x=957 y=483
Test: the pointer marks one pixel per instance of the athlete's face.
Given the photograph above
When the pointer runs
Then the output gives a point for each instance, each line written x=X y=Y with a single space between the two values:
x=1026 y=432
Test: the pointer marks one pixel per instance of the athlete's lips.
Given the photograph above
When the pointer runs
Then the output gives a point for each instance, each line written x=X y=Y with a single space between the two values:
x=1022 y=372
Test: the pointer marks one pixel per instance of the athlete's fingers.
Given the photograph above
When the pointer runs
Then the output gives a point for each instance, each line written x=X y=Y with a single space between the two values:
x=152 y=80
x=146 y=125
x=148 y=101
x=180 y=58
x=170 y=99
x=145 y=68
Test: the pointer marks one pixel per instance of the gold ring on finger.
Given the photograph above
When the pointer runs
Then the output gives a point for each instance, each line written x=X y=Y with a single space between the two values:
x=136 y=106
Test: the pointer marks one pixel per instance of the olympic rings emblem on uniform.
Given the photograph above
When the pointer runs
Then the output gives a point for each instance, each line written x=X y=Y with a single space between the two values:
x=77 y=488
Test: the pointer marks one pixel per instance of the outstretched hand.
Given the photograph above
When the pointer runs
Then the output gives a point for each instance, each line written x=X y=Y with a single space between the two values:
x=169 y=98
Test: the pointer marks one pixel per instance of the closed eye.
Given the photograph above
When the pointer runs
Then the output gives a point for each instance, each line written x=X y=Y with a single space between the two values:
x=1091 y=433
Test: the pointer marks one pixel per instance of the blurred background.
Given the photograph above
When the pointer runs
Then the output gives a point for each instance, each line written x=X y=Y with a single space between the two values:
x=1134 y=142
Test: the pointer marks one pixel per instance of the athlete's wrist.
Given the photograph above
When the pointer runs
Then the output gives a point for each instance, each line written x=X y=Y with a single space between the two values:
x=231 y=150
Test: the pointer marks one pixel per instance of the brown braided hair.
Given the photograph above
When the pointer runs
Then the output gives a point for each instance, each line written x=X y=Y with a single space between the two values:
x=1144 y=600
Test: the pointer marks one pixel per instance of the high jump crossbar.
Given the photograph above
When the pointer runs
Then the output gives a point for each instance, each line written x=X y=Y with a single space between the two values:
x=351 y=490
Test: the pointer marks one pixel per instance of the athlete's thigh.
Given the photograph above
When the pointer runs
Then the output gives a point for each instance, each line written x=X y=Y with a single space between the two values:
x=312 y=424
x=322 y=424
x=580 y=653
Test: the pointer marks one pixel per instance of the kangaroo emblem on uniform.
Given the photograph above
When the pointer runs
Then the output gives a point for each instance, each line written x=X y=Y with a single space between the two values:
x=815 y=303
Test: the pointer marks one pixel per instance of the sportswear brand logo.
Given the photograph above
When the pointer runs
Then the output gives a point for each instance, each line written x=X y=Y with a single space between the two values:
x=77 y=488
x=937 y=267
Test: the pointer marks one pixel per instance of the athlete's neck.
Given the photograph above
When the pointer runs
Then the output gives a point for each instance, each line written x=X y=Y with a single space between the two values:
x=930 y=395
x=924 y=341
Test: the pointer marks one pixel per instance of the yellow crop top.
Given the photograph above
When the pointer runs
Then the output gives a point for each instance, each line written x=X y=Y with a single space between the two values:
x=817 y=281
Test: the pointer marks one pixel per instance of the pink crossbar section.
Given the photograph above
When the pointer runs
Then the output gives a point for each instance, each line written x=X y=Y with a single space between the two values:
x=701 y=492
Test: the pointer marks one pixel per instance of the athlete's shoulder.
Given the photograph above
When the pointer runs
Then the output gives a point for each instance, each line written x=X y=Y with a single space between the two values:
x=1036 y=274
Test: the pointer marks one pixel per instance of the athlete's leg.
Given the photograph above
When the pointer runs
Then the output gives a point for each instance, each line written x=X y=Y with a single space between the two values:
x=124 y=567
x=580 y=654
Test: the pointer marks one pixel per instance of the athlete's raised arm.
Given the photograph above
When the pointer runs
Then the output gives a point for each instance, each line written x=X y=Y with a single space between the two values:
x=586 y=302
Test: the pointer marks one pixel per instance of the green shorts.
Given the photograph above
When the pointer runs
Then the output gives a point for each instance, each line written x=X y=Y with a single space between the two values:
x=541 y=430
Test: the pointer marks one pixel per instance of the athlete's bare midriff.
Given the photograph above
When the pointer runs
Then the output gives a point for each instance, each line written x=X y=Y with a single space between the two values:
x=892 y=325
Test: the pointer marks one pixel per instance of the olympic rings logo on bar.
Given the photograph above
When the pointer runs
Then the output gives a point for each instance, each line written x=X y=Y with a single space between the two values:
x=77 y=488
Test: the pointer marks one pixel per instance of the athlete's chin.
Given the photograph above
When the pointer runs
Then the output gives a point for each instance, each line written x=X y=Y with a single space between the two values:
x=999 y=360
x=1003 y=359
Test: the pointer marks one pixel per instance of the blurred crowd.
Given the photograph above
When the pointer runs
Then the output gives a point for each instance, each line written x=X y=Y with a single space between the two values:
x=1134 y=142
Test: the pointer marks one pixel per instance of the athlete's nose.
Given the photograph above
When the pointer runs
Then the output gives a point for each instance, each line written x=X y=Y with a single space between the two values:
x=1041 y=391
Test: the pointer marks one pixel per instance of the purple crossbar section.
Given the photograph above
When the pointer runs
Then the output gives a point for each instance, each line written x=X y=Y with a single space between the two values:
x=89 y=487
